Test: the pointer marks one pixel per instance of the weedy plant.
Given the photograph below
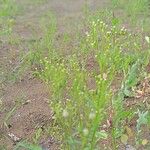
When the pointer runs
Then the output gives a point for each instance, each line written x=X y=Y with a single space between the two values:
x=27 y=146
x=8 y=9
x=79 y=112
x=136 y=12
x=44 y=47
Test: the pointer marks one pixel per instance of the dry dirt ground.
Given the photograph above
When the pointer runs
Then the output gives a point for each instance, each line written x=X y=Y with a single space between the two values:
x=27 y=99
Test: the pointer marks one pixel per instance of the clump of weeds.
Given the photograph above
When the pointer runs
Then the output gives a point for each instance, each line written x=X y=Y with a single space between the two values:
x=84 y=117
x=79 y=114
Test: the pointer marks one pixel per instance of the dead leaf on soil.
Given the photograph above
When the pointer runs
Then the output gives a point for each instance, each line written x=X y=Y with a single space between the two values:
x=105 y=76
x=129 y=132
x=14 y=137
x=144 y=142
x=124 y=139
x=139 y=94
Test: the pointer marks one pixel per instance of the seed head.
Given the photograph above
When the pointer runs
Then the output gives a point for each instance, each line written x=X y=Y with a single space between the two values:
x=92 y=115
x=85 y=131
x=65 y=113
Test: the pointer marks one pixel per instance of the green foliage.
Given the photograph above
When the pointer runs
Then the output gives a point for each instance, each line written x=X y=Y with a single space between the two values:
x=116 y=3
x=132 y=10
x=3 y=147
x=78 y=109
x=132 y=78
x=37 y=135
x=27 y=146
x=45 y=45
x=135 y=7
x=142 y=120
x=7 y=8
